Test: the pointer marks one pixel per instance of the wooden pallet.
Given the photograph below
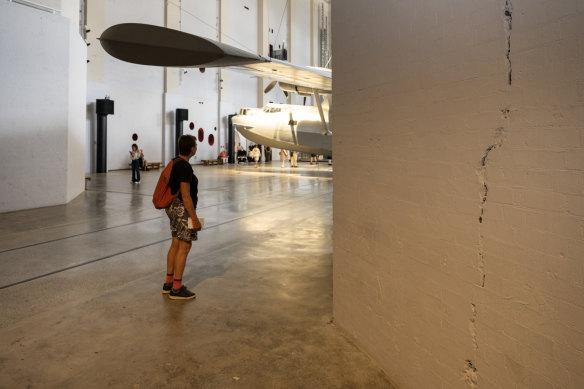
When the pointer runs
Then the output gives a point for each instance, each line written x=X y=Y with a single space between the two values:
x=209 y=162
x=153 y=165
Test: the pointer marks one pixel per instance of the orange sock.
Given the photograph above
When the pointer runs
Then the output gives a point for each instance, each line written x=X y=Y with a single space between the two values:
x=176 y=284
x=169 y=278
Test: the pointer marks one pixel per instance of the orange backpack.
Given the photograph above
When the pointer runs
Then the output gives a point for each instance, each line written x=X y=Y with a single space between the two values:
x=162 y=197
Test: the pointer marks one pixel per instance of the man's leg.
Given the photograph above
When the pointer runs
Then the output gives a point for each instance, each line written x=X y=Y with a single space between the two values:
x=180 y=260
x=172 y=251
x=170 y=266
x=179 y=291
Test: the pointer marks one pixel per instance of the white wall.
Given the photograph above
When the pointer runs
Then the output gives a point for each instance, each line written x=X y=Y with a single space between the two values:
x=200 y=90
x=278 y=20
x=438 y=297
x=300 y=46
x=145 y=106
x=76 y=142
x=40 y=86
x=137 y=90
x=239 y=27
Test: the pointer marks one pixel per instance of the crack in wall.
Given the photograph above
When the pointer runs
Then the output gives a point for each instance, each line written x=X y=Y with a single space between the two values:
x=508 y=12
x=482 y=176
x=482 y=170
x=472 y=328
x=470 y=374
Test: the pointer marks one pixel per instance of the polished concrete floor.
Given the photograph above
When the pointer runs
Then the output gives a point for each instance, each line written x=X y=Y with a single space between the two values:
x=80 y=288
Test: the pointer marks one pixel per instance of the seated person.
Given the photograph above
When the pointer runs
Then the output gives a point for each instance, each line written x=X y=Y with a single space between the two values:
x=142 y=161
x=241 y=155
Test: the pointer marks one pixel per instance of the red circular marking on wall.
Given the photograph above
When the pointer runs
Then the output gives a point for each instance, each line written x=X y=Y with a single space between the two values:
x=135 y=137
x=211 y=139
x=201 y=135
x=215 y=128
x=202 y=70
x=192 y=125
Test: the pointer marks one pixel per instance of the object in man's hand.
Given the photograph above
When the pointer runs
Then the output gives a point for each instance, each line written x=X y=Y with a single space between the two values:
x=190 y=222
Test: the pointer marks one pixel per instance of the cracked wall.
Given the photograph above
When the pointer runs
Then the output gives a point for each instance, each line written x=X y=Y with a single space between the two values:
x=459 y=190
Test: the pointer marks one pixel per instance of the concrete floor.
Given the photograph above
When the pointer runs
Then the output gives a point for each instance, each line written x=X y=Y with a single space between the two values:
x=80 y=287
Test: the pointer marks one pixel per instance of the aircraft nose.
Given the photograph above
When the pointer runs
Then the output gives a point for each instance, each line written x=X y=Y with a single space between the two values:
x=240 y=120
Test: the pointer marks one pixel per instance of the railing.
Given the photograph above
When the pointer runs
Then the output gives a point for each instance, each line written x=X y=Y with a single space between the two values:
x=41 y=7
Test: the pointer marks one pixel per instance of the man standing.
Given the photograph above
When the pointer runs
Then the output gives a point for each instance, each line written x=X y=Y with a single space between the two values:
x=182 y=180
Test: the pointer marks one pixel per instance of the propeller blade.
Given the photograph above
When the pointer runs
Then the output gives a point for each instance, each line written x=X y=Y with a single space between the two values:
x=270 y=86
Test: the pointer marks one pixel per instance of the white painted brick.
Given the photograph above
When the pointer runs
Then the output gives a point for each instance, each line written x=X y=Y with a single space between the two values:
x=567 y=138
x=428 y=107
x=536 y=381
x=543 y=200
x=575 y=205
x=576 y=380
x=575 y=159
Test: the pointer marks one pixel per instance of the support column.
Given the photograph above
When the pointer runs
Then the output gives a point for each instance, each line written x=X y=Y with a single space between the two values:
x=103 y=107
x=101 y=163
x=263 y=45
x=171 y=20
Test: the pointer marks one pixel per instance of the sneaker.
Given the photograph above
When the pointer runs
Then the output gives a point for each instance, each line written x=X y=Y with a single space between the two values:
x=137 y=182
x=166 y=287
x=182 y=294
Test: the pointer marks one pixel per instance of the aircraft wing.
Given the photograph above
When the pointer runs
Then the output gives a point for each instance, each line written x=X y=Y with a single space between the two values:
x=282 y=71
x=146 y=44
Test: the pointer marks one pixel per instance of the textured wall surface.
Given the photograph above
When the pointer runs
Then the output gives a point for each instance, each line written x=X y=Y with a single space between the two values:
x=459 y=189
x=40 y=115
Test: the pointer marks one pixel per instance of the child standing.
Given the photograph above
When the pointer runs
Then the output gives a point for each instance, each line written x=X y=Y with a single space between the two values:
x=255 y=154
x=283 y=156
x=135 y=154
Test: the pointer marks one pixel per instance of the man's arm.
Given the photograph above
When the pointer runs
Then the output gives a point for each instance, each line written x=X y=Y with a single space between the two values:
x=185 y=190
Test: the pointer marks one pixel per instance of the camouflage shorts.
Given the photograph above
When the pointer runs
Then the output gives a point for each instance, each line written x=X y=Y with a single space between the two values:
x=179 y=221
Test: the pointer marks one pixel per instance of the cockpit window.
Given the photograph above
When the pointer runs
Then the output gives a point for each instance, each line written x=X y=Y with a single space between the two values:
x=272 y=110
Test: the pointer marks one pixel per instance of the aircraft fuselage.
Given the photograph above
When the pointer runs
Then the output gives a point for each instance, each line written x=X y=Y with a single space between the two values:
x=284 y=126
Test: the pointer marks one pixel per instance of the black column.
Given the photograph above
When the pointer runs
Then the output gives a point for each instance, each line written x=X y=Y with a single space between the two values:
x=180 y=115
x=230 y=140
x=103 y=107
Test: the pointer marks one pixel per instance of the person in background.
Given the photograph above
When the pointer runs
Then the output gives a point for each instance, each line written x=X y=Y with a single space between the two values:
x=294 y=159
x=135 y=155
x=249 y=156
x=143 y=162
x=268 y=153
x=223 y=155
x=241 y=154
x=256 y=154
x=184 y=182
x=260 y=148
x=283 y=156
x=314 y=158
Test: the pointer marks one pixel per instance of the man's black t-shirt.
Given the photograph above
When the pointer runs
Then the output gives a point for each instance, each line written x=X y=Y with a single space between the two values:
x=183 y=172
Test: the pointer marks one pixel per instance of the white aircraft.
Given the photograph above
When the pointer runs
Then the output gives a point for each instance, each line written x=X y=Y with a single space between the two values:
x=291 y=127
x=285 y=126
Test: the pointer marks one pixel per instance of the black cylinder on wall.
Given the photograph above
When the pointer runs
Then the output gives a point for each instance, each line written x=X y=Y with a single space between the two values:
x=181 y=115
x=230 y=139
x=103 y=107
